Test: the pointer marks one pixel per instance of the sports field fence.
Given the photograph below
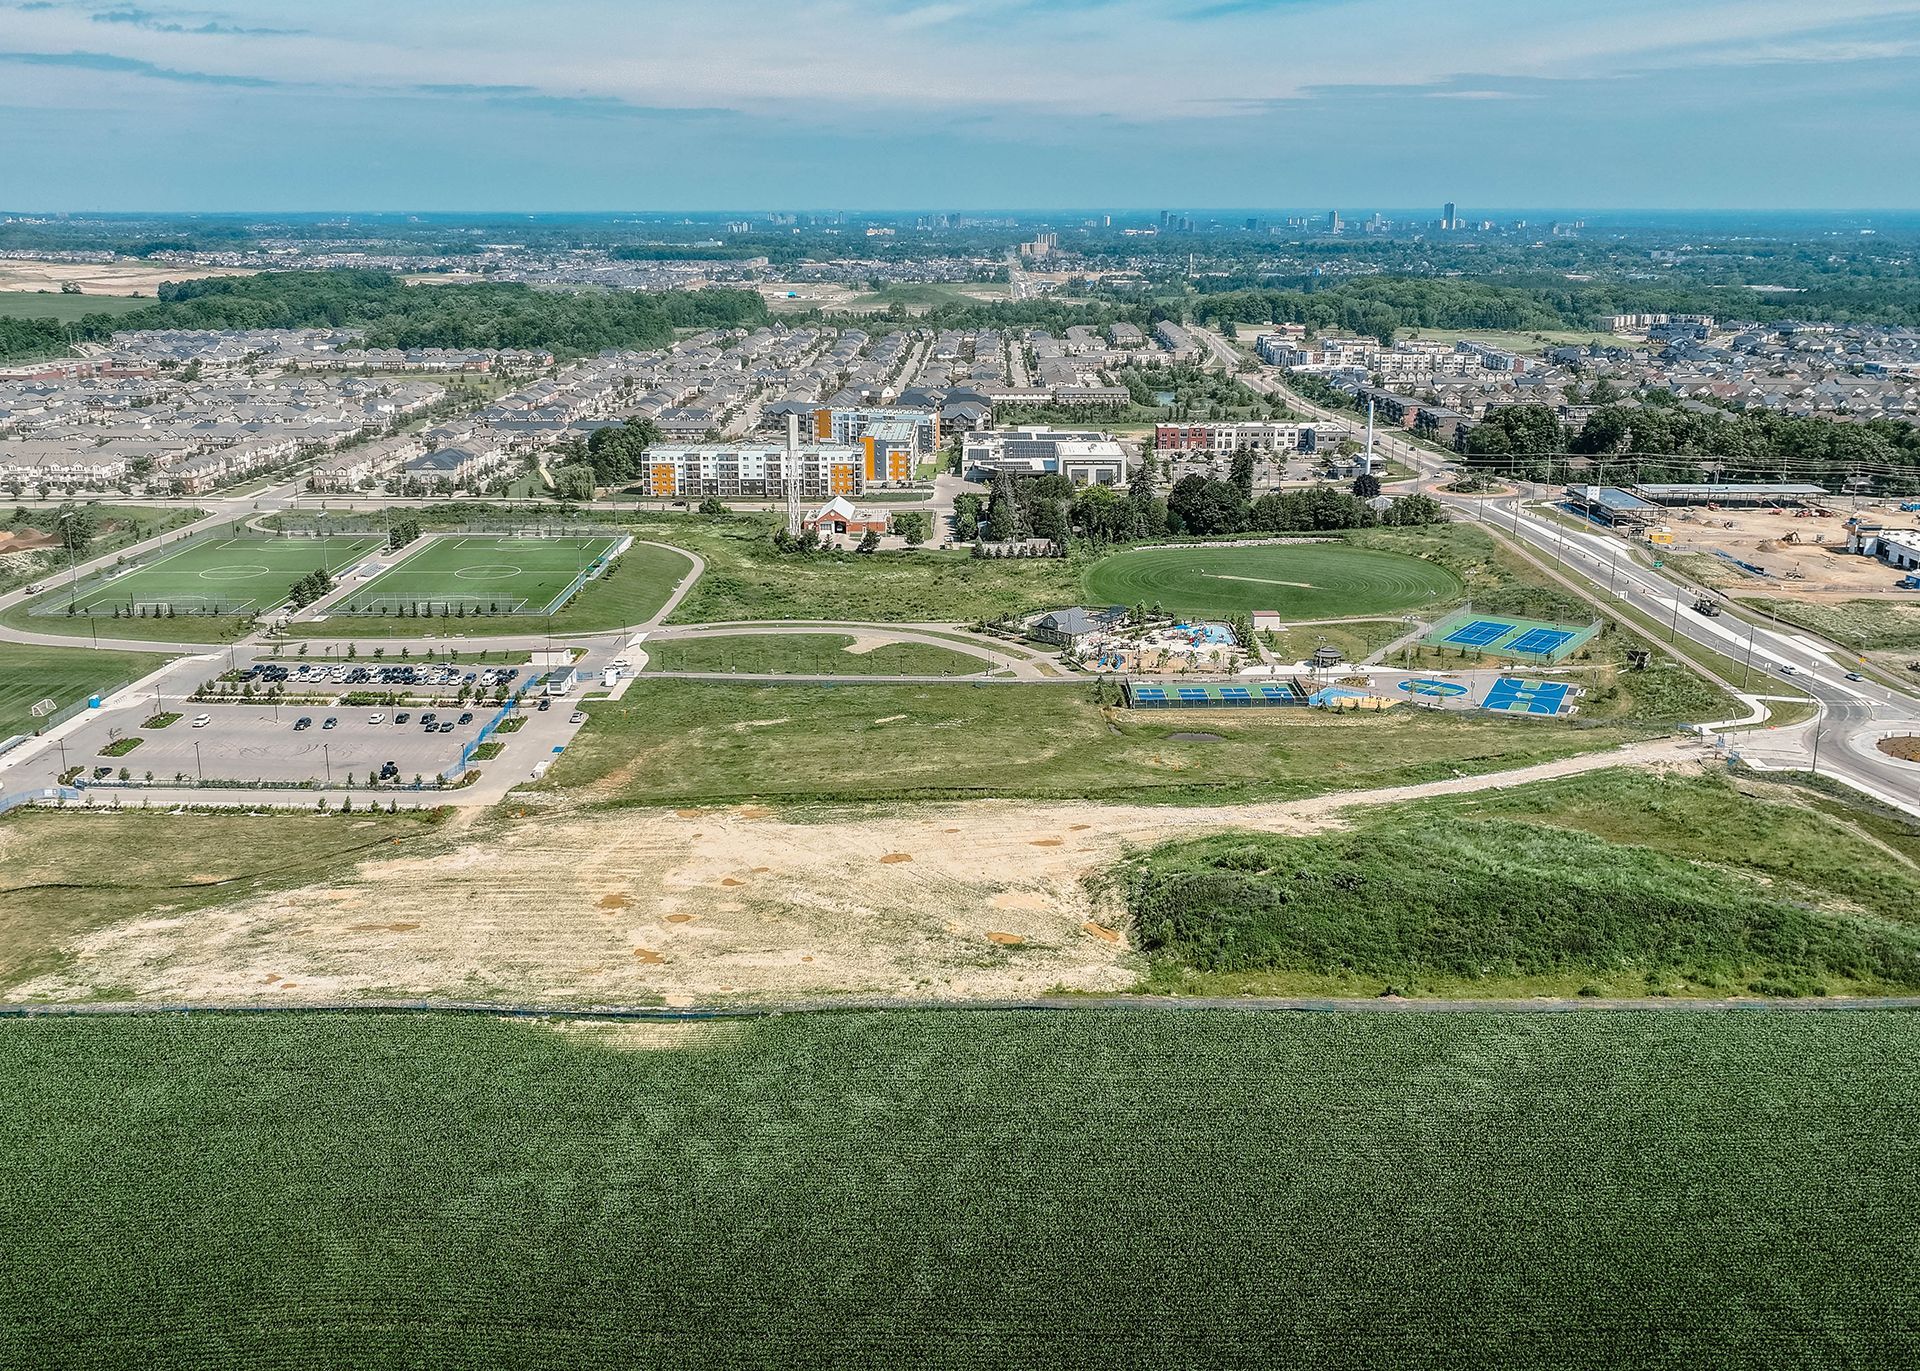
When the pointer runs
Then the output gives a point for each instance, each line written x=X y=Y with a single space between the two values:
x=1494 y=634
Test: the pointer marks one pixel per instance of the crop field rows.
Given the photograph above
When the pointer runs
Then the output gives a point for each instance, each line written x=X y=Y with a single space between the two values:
x=962 y=1190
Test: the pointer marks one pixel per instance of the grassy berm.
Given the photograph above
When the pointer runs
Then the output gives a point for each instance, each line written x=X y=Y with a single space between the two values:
x=1619 y=883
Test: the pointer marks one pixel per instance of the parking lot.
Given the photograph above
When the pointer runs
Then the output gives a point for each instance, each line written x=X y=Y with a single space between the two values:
x=253 y=742
x=413 y=679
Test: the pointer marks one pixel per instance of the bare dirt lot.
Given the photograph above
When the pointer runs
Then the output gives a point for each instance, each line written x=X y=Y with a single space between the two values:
x=1813 y=546
x=558 y=905
x=98 y=278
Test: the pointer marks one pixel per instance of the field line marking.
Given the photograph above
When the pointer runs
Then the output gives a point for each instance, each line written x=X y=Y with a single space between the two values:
x=1259 y=580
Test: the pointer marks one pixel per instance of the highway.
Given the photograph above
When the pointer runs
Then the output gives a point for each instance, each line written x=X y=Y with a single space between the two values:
x=1839 y=742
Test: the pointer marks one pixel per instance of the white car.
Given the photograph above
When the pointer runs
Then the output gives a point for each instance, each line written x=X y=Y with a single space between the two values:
x=376 y=718
x=202 y=720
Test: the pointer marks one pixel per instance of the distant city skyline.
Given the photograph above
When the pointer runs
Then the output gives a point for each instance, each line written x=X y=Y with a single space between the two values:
x=963 y=105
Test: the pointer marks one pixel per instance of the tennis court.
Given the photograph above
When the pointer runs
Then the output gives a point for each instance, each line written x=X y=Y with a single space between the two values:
x=1515 y=696
x=1213 y=695
x=1503 y=635
x=465 y=573
x=212 y=575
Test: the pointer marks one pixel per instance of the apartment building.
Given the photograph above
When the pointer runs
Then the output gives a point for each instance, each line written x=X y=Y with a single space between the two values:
x=1229 y=437
x=823 y=470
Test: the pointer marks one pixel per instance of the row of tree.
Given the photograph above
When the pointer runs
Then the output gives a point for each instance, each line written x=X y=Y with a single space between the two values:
x=1661 y=440
x=393 y=314
x=315 y=585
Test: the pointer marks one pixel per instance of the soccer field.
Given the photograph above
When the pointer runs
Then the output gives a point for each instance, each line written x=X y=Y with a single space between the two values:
x=481 y=574
x=1294 y=580
x=208 y=576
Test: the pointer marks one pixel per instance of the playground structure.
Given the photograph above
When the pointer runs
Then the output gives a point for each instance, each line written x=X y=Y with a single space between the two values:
x=1165 y=650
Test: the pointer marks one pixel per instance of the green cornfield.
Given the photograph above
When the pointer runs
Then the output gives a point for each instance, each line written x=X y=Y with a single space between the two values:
x=1079 y=1189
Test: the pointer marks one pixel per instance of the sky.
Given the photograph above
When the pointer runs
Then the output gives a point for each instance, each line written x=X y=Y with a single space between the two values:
x=555 y=105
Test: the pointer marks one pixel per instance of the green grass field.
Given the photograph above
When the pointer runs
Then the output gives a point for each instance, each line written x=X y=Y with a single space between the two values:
x=64 y=675
x=70 y=872
x=918 y=296
x=630 y=591
x=31 y=304
x=1536 y=341
x=1618 y=883
x=671 y=742
x=1890 y=625
x=214 y=573
x=1297 y=581
x=944 y=1190
x=482 y=574
x=807 y=654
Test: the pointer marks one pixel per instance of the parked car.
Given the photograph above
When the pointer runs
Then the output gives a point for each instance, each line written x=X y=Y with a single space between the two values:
x=579 y=716
x=202 y=720
x=466 y=716
x=403 y=716
x=545 y=704
x=446 y=725
x=302 y=723
x=428 y=717
x=330 y=722
x=376 y=718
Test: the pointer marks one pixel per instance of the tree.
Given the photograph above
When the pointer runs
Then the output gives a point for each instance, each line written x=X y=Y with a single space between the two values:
x=573 y=483
x=1366 y=485
x=1146 y=481
x=1240 y=473
x=869 y=542
x=77 y=525
x=1003 y=516
x=402 y=533
x=1409 y=511
x=712 y=506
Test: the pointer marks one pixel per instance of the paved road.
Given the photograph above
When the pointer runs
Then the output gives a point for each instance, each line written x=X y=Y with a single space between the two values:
x=1853 y=715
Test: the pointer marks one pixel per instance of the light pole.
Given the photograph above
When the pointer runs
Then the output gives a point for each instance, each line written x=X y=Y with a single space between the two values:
x=326 y=756
x=198 y=770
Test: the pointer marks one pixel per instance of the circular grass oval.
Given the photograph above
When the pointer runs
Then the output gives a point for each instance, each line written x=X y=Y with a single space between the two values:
x=1294 y=580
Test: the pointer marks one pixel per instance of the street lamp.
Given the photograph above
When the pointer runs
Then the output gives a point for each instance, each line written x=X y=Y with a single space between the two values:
x=326 y=755
x=198 y=770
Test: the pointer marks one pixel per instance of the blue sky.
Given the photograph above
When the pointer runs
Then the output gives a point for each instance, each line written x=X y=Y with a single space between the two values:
x=956 y=104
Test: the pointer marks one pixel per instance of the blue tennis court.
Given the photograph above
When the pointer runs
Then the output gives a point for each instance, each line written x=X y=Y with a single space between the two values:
x=1479 y=633
x=1527 y=697
x=1540 y=642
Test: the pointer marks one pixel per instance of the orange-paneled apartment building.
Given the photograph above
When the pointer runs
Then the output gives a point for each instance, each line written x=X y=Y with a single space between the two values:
x=854 y=449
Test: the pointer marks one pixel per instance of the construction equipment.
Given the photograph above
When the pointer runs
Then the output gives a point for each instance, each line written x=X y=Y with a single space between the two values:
x=1707 y=607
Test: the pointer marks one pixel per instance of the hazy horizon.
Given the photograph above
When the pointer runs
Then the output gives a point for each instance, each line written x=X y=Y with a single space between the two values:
x=959 y=104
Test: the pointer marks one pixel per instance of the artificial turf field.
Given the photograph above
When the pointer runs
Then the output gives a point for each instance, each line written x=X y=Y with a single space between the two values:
x=65 y=675
x=485 y=573
x=1294 y=580
x=213 y=574
x=1070 y=1189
